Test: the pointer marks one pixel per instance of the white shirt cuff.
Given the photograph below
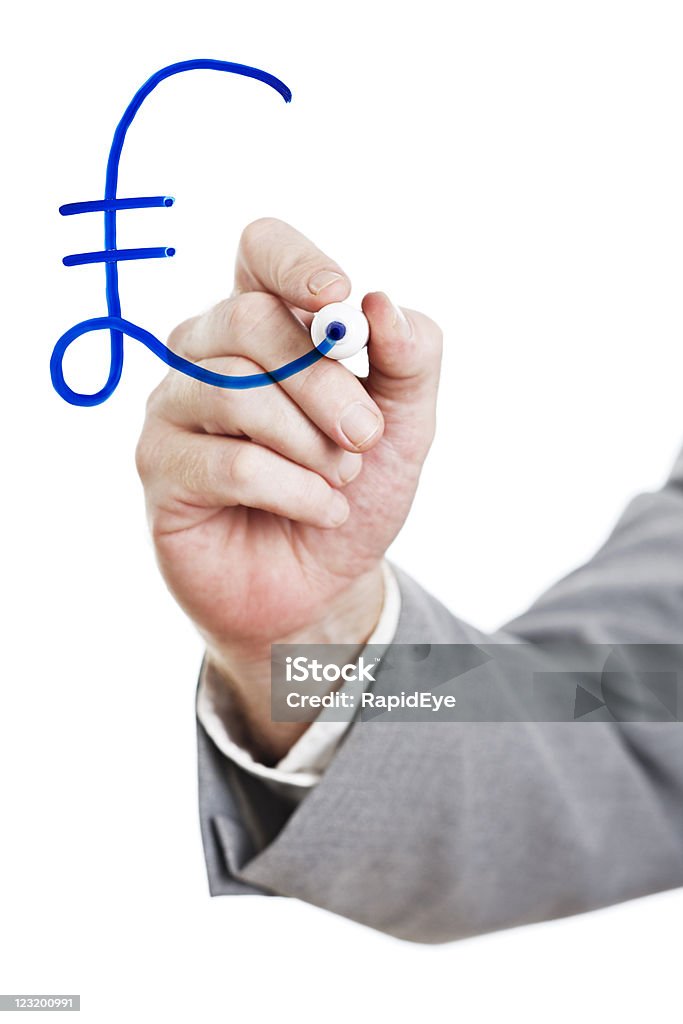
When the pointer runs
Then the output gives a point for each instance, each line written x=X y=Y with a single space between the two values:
x=304 y=763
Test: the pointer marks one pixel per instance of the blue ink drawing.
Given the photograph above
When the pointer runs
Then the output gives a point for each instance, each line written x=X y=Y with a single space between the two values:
x=111 y=257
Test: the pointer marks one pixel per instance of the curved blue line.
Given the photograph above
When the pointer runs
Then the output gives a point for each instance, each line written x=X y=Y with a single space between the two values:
x=111 y=181
x=114 y=324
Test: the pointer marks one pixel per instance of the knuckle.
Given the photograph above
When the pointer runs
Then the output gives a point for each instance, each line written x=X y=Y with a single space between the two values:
x=143 y=457
x=152 y=455
x=249 y=310
x=155 y=401
x=178 y=338
x=174 y=399
x=257 y=239
x=218 y=319
x=243 y=466
x=256 y=231
x=151 y=436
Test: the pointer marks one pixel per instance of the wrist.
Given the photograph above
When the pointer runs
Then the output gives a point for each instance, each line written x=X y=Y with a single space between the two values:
x=240 y=674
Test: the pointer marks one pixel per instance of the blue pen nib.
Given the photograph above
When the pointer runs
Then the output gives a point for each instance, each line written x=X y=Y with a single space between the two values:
x=336 y=330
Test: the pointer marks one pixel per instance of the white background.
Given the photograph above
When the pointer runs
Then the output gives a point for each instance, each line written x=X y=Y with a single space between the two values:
x=513 y=169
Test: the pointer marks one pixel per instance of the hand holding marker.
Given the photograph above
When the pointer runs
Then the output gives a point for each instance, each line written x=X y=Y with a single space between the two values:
x=243 y=487
x=337 y=330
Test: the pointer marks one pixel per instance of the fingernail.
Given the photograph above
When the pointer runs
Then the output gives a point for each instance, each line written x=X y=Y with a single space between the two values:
x=349 y=466
x=338 y=509
x=359 y=424
x=400 y=322
x=322 y=280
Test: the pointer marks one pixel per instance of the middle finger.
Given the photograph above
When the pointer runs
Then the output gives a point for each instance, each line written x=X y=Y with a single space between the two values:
x=261 y=327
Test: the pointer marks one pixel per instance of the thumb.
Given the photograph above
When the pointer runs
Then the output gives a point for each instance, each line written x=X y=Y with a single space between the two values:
x=404 y=353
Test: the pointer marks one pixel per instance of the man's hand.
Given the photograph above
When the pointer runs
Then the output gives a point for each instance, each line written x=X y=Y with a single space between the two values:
x=271 y=508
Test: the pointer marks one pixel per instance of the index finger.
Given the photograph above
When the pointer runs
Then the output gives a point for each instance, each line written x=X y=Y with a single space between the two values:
x=274 y=257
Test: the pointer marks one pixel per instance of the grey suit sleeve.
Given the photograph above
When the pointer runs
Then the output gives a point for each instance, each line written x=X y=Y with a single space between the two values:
x=434 y=831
